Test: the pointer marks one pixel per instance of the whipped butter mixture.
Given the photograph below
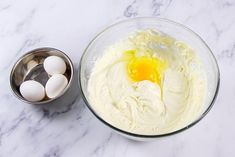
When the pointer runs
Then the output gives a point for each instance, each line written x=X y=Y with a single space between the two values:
x=148 y=84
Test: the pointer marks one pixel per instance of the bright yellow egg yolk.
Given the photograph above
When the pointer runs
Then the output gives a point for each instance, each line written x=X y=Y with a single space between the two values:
x=146 y=68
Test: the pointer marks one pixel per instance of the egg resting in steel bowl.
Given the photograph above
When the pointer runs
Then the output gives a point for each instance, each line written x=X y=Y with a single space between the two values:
x=148 y=84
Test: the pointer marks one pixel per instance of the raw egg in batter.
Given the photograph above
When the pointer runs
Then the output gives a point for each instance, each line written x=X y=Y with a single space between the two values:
x=145 y=67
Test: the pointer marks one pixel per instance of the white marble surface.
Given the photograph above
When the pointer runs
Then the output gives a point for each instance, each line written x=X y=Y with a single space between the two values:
x=71 y=130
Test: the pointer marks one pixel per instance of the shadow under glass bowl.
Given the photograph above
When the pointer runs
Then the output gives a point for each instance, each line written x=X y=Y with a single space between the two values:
x=121 y=30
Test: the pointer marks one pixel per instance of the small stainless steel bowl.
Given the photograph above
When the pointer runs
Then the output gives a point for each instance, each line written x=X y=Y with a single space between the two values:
x=21 y=71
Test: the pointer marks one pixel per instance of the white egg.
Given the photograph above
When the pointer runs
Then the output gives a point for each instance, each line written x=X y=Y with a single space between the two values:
x=55 y=85
x=54 y=65
x=31 y=64
x=32 y=90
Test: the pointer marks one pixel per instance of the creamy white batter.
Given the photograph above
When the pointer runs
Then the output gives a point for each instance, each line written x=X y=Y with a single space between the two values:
x=145 y=107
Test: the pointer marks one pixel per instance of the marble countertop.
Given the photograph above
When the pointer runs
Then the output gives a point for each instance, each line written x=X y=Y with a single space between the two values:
x=71 y=130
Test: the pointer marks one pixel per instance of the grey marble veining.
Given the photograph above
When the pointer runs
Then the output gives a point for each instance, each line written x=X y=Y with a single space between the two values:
x=68 y=128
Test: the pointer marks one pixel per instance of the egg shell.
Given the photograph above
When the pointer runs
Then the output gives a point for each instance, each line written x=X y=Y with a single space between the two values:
x=32 y=90
x=54 y=65
x=55 y=85
x=31 y=64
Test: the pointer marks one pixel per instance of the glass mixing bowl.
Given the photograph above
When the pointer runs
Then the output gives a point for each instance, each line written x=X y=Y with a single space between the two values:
x=121 y=30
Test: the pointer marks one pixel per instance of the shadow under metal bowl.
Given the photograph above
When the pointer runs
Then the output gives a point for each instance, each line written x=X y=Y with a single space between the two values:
x=22 y=72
